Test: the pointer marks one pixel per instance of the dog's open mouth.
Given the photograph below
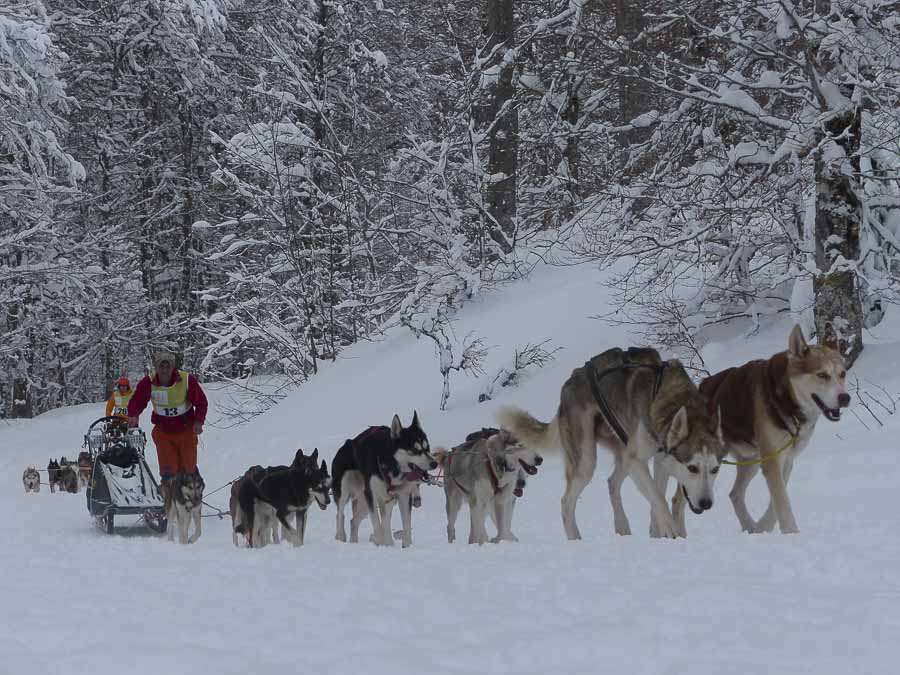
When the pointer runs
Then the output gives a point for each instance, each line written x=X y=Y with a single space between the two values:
x=690 y=503
x=832 y=414
x=529 y=469
x=416 y=474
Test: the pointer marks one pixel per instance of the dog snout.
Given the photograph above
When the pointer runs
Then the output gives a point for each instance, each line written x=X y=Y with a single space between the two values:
x=538 y=460
x=705 y=503
x=843 y=400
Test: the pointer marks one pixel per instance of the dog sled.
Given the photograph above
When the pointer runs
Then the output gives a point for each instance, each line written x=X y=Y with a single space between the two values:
x=121 y=483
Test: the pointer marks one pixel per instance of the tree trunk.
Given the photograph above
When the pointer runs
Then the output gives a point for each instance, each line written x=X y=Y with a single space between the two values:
x=503 y=138
x=635 y=95
x=838 y=308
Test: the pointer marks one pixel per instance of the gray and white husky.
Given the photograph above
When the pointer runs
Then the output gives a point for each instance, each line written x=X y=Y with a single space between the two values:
x=484 y=472
x=31 y=479
x=637 y=406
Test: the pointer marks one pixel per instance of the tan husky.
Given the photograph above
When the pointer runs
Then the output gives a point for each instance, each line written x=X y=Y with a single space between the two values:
x=635 y=405
x=769 y=410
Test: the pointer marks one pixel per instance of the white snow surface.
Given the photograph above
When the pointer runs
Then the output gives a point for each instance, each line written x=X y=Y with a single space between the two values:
x=75 y=600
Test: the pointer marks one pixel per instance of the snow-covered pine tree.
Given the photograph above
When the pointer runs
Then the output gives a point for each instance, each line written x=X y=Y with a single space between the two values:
x=38 y=274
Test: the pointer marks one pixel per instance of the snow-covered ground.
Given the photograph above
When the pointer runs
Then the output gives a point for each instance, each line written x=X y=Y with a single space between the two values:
x=74 y=600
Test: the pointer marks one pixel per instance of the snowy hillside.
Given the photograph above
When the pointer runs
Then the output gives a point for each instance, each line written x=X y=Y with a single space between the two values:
x=827 y=601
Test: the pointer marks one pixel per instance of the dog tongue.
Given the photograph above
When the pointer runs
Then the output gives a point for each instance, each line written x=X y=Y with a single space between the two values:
x=415 y=474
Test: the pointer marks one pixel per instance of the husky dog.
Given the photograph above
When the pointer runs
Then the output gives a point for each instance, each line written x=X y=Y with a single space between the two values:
x=378 y=468
x=280 y=493
x=68 y=477
x=31 y=479
x=636 y=405
x=521 y=482
x=484 y=471
x=85 y=467
x=183 y=498
x=234 y=507
x=770 y=407
x=53 y=475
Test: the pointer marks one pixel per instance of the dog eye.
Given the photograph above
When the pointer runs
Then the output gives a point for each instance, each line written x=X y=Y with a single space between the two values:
x=715 y=469
x=843 y=374
x=693 y=469
x=825 y=376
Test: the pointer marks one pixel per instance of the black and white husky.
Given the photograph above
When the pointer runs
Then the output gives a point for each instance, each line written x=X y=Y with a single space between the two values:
x=53 y=475
x=281 y=493
x=183 y=495
x=31 y=479
x=380 y=467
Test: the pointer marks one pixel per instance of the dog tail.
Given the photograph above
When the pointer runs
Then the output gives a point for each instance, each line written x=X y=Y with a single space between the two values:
x=246 y=496
x=440 y=455
x=529 y=431
x=339 y=465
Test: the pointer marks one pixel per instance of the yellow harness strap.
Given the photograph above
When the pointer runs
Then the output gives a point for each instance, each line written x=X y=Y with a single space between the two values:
x=749 y=462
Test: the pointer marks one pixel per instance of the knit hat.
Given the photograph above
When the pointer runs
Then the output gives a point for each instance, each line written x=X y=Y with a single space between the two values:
x=163 y=355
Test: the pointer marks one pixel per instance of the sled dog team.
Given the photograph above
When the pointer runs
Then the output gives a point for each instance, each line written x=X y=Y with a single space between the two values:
x=638 y=406
x=632 y=402
x=62 y=475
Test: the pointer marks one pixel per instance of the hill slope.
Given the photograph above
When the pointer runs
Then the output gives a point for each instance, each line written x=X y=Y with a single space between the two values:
x=824 y=601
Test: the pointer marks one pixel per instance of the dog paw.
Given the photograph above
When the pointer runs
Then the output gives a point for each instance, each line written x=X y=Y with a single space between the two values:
x=667 y=530
x=623 y=530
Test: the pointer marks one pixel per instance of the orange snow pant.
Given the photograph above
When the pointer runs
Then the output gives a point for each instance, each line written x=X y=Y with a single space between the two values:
x=176 y=451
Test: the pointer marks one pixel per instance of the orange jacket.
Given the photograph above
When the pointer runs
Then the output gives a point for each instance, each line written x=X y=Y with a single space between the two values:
x=111 y=403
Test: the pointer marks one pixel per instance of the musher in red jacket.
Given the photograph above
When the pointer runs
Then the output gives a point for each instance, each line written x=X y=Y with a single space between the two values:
x=179 y=410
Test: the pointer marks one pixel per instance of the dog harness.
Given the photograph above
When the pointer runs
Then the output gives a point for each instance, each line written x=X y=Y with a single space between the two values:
x=594 y=378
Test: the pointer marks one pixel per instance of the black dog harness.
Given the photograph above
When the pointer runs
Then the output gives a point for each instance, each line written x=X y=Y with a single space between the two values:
x=594 y=378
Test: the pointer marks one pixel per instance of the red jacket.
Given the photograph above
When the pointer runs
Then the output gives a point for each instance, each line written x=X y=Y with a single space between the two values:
x=195 y=397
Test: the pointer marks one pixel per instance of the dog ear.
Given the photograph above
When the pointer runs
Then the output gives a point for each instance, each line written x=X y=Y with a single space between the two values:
x=314 y=456
x=415 y=421
x=396 y=427
x=797 y=346
x=678 y=430
x=324 y=466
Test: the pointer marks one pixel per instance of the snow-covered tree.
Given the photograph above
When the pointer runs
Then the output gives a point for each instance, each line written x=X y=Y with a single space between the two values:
x=757 y=178
x=37 y=270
